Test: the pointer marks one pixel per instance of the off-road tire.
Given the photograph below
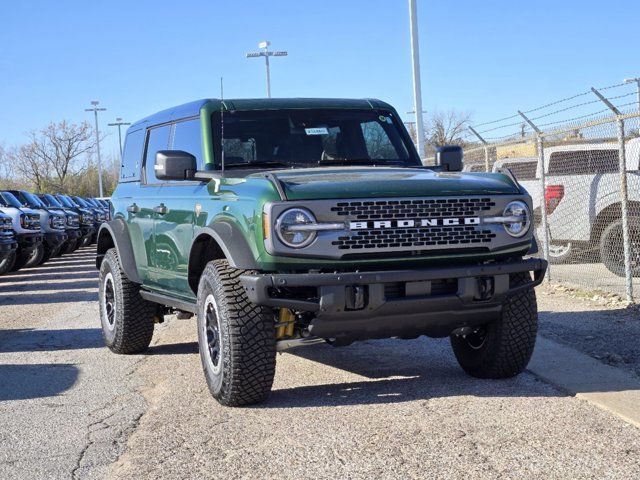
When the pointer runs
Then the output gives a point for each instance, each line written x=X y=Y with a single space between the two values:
x=35 y=258
x=69 y=247
x=6 y=264
x=612 y=247
x=246 y=353
x=130 y=328
x=26 y=259
x=48 y=254
x=508 y=342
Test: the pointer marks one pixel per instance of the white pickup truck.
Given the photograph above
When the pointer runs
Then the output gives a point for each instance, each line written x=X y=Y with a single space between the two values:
x=583 y=198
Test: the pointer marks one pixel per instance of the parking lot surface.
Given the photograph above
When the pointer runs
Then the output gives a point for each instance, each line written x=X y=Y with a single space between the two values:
x=381 y=409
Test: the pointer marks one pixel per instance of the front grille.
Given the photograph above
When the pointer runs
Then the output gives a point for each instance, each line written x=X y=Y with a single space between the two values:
x=72 y=221
x=398 y=209
x=6 y=227
x=58 y=222
x=390 y=227
x=414 y=237
x=33 y=222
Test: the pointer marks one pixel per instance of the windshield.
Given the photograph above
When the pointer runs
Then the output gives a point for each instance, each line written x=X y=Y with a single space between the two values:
x=9 y=200
x=313 y=137
x=67 y=201
x=81 y=202
x=50 y=200
x=30 y=199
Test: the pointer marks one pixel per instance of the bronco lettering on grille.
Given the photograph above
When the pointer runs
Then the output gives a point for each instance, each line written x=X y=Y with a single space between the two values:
x=421 y=222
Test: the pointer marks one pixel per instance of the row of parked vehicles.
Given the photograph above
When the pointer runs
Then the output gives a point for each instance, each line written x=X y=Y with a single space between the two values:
x=37 y=227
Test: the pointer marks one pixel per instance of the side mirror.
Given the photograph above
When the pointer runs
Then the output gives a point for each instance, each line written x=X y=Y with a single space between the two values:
x=449 y=158
x=175 y=165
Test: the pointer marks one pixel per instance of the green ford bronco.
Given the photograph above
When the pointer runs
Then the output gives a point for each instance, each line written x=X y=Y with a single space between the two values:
x=286 y=222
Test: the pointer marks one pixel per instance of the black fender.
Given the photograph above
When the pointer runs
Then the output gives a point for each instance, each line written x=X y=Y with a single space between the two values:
x=228 y=242
x=232 y=242
x=116 y=234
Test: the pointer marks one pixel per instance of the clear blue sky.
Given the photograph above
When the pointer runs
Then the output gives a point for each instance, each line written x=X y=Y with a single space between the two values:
x=137 y=57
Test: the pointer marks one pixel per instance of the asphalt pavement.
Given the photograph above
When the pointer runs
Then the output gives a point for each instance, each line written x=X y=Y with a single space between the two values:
x=69 y=408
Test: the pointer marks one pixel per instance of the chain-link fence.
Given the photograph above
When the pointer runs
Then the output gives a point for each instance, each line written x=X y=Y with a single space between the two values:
x=583 y=174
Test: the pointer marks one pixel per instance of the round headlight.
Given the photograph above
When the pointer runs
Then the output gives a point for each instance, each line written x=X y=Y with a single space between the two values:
x=288 y=234
x=521 y=211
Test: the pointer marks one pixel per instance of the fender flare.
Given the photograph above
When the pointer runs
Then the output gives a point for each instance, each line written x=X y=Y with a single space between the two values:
x=117 y=231
x=232 y=242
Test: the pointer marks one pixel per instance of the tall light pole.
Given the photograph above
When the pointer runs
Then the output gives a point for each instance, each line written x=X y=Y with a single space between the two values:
x=119 y=123
x=266 y=53
x=95 y=110
x=637 y=81
x=417 y=88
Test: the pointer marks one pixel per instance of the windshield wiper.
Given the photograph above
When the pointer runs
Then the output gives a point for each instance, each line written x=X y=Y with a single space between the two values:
x=362 y=161
x=263 y=163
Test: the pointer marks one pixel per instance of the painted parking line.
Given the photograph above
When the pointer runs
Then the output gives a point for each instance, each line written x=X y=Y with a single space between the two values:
x=609 y=388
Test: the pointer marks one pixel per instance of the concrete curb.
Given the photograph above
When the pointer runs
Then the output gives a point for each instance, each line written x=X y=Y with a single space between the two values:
x=609 y=388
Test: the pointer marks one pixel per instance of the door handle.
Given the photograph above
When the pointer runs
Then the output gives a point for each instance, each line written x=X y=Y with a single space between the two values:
x=160 y=209
x=133 y=208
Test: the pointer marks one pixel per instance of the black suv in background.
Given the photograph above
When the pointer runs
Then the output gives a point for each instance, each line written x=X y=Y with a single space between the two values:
x=72 y=222
x=87 y=219
x=98 y=214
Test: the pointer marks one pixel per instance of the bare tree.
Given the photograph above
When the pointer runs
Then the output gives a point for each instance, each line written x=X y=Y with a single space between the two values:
x=53 y=154
x=447 y=127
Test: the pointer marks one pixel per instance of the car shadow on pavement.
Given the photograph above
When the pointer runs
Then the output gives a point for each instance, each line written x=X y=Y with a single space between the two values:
x=31 y=340
x=396 y=371
x=41 y=277
x=21 y=382
x=22 y=298
x=186 y=348
x=36 y=287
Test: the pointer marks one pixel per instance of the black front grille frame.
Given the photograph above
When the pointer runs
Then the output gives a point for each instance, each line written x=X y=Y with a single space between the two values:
x=391 y=227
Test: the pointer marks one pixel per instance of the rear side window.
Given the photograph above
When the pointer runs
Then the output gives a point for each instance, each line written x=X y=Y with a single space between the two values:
x=523 y=170
x=187 y=136
x=583 y=162
x=157 y=139
x=131 y=156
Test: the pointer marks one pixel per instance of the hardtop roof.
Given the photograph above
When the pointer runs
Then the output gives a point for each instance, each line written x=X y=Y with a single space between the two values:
x=192 y=109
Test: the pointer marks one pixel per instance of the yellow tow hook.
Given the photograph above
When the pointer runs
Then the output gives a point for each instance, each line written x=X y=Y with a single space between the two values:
x=286 y=323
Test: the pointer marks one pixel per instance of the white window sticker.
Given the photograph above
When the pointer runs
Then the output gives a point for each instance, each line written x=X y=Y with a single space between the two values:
x=317 y=131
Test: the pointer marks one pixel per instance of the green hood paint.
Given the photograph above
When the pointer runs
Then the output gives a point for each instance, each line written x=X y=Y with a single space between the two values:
x=372 y=182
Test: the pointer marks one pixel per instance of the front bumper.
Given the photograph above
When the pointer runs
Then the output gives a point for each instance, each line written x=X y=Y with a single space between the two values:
x=53 y=240
x=7 y=246
x=73 y=234
x=403 y=303
x=87 y=230
x=29 y=241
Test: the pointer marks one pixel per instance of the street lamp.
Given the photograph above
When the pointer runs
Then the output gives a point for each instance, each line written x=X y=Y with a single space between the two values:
x=264 y=45
x=417 y=88
x=637 y=81
x=119 y=123
x=95 y=111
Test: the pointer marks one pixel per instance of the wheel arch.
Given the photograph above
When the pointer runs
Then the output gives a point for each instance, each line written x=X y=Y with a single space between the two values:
x=607 y=215
x=116 y=234
x=222 y=240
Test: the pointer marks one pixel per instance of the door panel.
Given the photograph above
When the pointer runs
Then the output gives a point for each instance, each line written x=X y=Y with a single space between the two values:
x=174 y=232
x=140 y=220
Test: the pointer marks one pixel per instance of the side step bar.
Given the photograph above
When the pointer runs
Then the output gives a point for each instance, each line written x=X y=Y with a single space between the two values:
x=169 y=301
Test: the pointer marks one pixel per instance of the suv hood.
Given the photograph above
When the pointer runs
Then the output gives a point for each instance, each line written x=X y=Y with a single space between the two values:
x=374 y=182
